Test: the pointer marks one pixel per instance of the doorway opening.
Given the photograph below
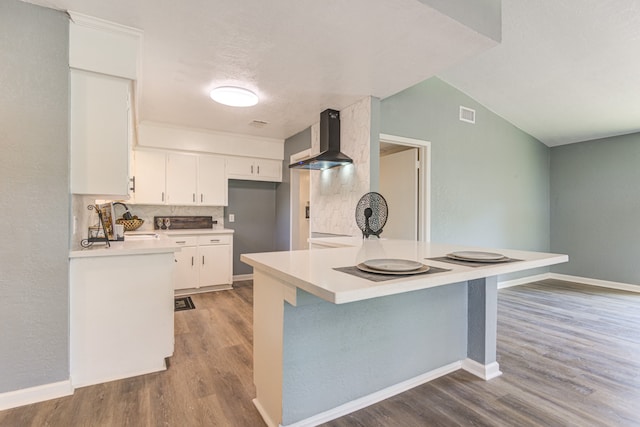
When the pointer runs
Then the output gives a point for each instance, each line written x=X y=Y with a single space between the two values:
x=405 y=183
x=299 y=203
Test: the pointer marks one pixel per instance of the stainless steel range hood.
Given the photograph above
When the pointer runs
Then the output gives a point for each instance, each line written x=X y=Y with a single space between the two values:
x=330 y=155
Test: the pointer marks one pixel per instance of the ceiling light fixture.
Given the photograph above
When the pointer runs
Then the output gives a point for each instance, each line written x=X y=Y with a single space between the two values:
x=234 y=96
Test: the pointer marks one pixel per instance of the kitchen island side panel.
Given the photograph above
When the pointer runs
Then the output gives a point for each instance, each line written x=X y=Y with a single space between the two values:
x=336 y=353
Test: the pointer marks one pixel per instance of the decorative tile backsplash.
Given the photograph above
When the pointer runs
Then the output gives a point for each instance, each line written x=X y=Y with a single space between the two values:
x=85 y=218
x=335 y=192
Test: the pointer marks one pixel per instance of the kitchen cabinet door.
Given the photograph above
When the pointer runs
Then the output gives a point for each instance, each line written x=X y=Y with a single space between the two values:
x=186 y=271
x=268 y=170
x=150 y=173
x=215 y=261
x=181 y=179
x=212 y=181
x=254 y=169
x=99 y=133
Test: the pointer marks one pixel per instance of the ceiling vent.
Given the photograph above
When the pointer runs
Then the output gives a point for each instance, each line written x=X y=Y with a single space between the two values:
x=467 y=115
x=259 y=123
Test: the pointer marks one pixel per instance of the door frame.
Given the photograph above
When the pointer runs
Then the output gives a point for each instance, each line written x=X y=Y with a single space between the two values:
x=294 y=196
x=424 y=180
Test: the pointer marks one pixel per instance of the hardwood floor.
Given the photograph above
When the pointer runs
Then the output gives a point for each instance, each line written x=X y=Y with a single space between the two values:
x=570 y=356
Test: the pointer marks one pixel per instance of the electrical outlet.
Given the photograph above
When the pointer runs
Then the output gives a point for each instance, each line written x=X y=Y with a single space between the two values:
x=232 y=218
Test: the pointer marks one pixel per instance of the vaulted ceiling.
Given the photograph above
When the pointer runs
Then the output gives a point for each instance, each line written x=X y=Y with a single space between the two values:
x=565 y=70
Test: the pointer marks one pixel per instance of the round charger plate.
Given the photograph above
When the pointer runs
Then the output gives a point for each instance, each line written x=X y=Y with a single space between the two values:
x=392 y=264
x=477 y=256
x=422 y=269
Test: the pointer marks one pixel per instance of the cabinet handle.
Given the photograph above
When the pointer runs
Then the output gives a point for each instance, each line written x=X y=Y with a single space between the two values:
x=214 y=241
x=192 y=261
x=201 y=197
x=252 y=169
x=202 y=259
x=133 y=184
x=163 y=196
x=194 y=197
x=258 y=169
x=181 y=241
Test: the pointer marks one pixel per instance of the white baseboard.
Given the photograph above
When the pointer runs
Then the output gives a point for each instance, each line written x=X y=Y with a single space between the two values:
x=523 y=280
x=372 y=398
x=596 y=282
x=265 y=416
x=486 y=372
x=27 y=396
x=241 y=277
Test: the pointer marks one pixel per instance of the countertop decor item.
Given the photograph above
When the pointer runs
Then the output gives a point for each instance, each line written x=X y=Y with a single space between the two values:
x=130 y=224
x=97 y=233
x=371 y=214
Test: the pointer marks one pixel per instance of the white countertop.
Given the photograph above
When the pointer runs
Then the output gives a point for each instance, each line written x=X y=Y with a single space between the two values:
x=313 y=272
x=185 y=232
x=142 y=247
x=132 y=247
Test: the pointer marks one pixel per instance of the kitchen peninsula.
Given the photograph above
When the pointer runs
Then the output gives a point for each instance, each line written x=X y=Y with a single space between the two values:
x=327 y=342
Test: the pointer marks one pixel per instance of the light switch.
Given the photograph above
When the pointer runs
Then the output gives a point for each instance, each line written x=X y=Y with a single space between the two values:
x=232 y=218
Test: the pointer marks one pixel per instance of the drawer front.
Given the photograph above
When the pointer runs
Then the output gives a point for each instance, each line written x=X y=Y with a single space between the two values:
x=215 y=239
x=184 y=240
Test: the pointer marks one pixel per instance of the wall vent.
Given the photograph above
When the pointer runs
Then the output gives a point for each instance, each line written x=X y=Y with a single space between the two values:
x=467 y=115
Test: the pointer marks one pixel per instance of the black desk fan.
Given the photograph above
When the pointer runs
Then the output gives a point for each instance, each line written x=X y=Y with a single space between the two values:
x=371 y=214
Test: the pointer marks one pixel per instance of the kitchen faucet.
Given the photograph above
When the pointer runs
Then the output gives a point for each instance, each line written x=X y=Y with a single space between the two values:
x=126 y=214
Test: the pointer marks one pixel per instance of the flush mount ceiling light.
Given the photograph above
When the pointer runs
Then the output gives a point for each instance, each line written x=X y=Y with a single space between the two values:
x=234 y=96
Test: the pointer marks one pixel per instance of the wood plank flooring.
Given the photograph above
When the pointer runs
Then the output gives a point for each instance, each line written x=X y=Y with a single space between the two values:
x=570 y=356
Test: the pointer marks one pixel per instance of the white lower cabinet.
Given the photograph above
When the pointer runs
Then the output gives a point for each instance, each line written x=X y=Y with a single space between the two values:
x=121 y=316
x=204 y=263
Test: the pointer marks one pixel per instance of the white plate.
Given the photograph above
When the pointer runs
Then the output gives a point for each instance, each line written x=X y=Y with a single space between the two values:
x=391 y=264
x=421 y=269
x=477 y=256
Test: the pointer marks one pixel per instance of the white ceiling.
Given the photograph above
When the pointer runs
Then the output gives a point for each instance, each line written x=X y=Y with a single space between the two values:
x=566 y=70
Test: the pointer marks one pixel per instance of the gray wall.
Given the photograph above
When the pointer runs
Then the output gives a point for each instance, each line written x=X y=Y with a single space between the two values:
x=489 y=181
x=254 y=205
x=34 y=199
x=345 y=351
x=295 y=144
x=595 y=208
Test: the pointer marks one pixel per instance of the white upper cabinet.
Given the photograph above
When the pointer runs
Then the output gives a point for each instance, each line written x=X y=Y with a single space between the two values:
x=254 y=169
x=212 y=181
x=103 y=61
x=181 y=179
x=149 y=179
x=100 y=134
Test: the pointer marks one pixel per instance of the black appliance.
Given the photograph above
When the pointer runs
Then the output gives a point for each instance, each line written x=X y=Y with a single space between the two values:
x=330 y=155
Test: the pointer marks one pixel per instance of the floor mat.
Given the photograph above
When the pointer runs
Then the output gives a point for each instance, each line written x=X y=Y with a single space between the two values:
x=184 y=303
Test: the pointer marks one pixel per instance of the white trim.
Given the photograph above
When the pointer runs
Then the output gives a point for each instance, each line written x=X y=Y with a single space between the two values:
x=486 y=372
x=27 y=396
x=523 y=280
x=265 y=416
x=424 y=201
x=596 y=282
x=240 y=277
x=101 y=24
x=372 y=398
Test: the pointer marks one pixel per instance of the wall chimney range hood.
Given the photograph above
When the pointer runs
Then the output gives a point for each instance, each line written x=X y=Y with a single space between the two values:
x=330 y=155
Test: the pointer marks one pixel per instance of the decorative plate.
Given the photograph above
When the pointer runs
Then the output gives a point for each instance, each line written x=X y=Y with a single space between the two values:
x=477 y=256
x=392 y=264
x=422 y=269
